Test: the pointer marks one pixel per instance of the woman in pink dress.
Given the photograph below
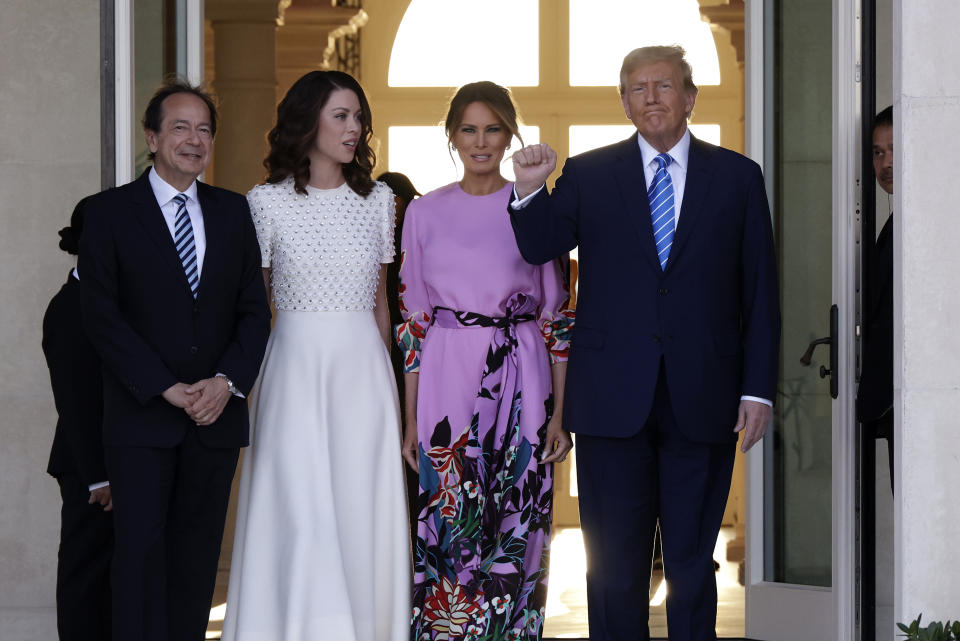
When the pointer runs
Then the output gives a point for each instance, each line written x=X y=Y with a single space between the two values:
x=485 y=343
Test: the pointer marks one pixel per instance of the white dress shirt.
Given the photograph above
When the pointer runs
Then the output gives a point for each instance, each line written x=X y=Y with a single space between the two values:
x=679 y=155
x=164 y=192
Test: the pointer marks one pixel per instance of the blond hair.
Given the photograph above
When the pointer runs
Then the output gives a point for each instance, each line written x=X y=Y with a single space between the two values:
x=673 y=54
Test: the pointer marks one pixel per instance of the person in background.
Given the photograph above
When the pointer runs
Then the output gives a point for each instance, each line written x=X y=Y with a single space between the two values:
x=485 y=350
x=875 y=394
x=403 y=194
x=76 y=460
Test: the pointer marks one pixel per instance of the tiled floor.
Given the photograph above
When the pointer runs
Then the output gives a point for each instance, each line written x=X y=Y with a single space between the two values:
x=567 y=600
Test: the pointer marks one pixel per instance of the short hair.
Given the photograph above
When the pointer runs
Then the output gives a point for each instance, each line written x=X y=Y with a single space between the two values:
x=674 y=54
x=400 y=185
x=884 y=118
x=70 y=235
x=495 y=97
x=153 y=116
x=298 y=120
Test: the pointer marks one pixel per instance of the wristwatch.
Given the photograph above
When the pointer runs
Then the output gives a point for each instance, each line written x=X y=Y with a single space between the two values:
x=230 y=386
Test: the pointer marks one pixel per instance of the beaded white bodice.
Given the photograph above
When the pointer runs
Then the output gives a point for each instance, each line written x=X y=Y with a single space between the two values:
x=325 y=248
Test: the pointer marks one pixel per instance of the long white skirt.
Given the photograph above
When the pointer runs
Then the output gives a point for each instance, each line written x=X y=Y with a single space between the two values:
x=321 y=549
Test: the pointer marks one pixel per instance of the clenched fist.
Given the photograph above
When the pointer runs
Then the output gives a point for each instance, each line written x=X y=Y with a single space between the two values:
x=532 y=165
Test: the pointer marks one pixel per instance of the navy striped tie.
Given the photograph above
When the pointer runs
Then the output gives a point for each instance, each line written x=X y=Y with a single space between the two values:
x=660 y=195
x=186 y=247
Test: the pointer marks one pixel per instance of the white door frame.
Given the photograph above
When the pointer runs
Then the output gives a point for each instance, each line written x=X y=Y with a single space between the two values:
x=777 y=611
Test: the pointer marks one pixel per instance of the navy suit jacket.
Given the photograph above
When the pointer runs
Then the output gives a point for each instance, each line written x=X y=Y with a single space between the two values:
x=712 y=315
x=77 y=389
x=144 y=322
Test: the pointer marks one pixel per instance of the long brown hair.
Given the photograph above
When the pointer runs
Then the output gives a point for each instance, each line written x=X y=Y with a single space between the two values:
x=298 y=119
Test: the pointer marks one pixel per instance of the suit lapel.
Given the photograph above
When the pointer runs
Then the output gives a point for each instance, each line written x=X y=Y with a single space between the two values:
x=147 y=211
x=213 y=227
x=628 y=171
x=695 y=190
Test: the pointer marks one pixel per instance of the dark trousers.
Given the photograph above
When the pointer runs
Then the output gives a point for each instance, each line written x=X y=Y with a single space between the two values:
x=626 y=485
x=170 y=505
x=83 y=564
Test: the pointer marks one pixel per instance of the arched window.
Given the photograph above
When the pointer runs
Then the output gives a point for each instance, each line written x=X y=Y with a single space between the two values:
x=564 y=97
x=599 y=43
x=446 y=43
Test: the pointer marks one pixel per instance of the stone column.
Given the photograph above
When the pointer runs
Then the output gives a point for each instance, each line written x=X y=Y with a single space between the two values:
x=926 y=100
x=245 y=80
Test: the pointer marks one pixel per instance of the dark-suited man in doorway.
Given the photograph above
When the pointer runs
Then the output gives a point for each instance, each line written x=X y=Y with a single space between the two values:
x=675 y=349
x=875 y=394
x=174 y=303
x=76 y=460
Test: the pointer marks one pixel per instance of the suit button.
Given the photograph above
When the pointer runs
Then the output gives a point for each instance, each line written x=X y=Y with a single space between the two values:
x=656 y=338
x=196 y=308
x=194 y=349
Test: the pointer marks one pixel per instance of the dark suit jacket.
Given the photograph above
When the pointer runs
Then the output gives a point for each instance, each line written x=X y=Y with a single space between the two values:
x=712 y=315
x=875 y=394
x=146 y=325
x=77 y=389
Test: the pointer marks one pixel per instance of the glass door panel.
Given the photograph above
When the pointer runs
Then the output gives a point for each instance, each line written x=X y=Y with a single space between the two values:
x=798 y=539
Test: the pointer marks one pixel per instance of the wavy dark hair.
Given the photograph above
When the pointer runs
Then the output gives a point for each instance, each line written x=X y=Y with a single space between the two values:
x=497 y=98
x=298 y=119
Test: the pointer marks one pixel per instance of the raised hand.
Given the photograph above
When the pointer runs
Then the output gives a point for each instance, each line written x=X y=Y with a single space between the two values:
x=532 y=165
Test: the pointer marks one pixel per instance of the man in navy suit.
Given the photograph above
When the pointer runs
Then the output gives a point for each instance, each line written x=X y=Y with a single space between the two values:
x=174 y=303
x=676 y=343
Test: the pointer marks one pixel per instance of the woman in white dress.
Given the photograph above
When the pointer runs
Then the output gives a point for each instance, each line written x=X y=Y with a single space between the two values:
x=321 y=548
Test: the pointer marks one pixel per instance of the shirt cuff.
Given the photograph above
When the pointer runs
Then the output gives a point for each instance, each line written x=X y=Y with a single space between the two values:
x=97 y=486
x=520 y=203
x=757 y=399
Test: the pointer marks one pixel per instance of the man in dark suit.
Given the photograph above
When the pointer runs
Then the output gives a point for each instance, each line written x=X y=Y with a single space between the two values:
x=676 y=342
x=875 y=394
x=174 y=303
x=76 y=461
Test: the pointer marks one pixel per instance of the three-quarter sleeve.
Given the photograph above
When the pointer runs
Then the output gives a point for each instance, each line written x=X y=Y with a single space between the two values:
x=414 y=301
x=389 y=208
x=262 y=224
x=556 y=316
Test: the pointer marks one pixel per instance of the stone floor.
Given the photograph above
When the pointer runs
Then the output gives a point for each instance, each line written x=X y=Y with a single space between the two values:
x=567 y=600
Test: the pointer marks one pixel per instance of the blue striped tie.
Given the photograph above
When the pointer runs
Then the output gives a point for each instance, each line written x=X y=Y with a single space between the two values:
x=660 y=195
x=186 y=247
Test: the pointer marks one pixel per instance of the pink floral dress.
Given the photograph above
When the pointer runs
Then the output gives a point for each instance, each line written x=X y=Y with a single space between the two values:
x=482 y=327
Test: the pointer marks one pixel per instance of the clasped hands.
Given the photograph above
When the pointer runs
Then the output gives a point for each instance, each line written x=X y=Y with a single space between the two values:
x=203 y=401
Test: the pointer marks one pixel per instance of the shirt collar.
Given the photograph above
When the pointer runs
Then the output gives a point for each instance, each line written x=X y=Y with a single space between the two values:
x=679 y=153
x=164 y=192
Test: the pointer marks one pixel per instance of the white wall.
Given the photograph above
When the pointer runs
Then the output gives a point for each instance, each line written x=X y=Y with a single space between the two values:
x=49 y=159
x=927 y=309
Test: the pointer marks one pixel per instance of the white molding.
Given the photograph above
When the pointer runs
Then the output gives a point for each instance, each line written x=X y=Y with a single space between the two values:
x=195 y=58
x=753 y=133
x=753 y=81
x=786 y=612
x=846 y=145
x=123 y=87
